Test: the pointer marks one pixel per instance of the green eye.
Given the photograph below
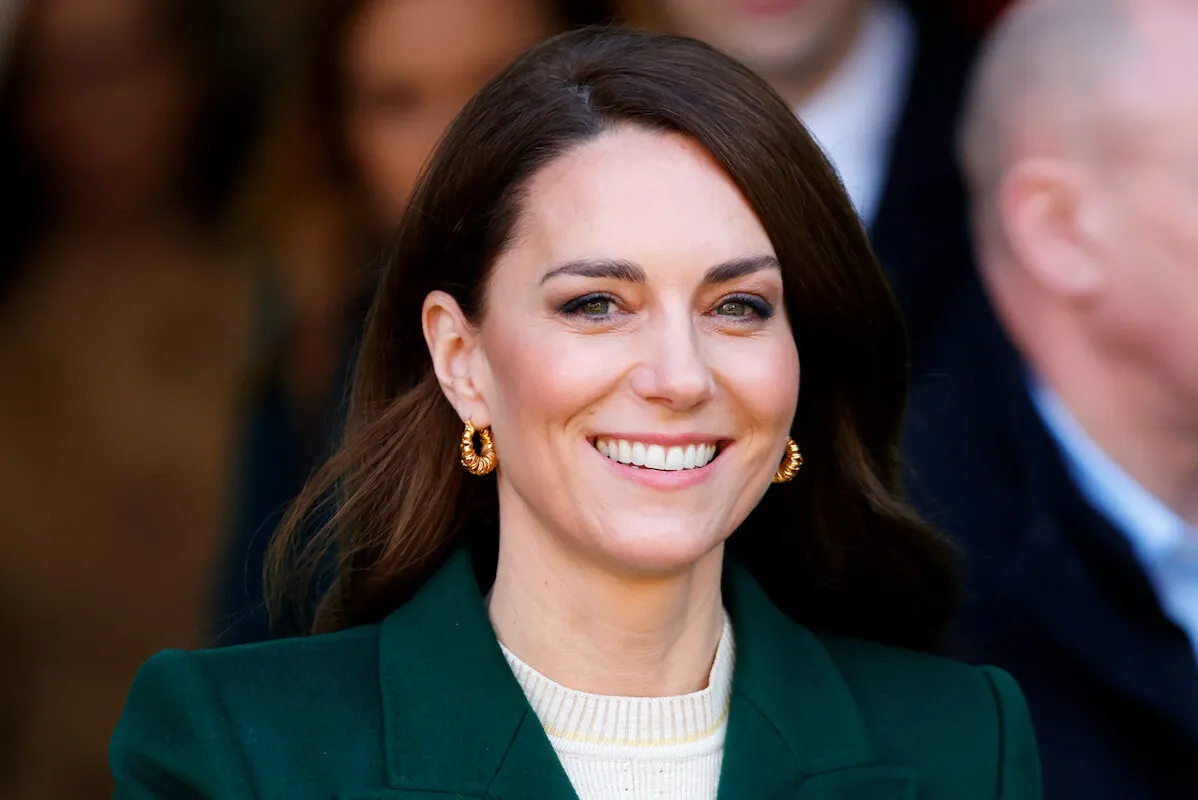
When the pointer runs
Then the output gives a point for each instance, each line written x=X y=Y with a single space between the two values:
x=744 y=308
x=595 y=306
x=734 y=308
x=598 y=307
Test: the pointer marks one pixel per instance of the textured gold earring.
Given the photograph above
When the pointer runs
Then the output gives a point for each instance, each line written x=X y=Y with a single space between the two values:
x=475 y=462
x=792 y=462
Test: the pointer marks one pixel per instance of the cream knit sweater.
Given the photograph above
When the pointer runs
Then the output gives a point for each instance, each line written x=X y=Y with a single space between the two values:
x=636 y=748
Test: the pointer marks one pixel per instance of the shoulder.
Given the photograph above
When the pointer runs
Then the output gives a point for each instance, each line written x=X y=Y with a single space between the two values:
x=218 y=719
x=266 y=673
x=914 y=703
x=878 y=674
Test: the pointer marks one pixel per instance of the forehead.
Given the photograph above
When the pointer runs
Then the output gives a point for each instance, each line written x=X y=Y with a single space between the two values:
x=417 y=36
x=656 y=198
x=1159 y=90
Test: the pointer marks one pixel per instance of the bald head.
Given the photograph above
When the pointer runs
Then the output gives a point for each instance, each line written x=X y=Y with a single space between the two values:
x=1042 y=83
x=1067 y=78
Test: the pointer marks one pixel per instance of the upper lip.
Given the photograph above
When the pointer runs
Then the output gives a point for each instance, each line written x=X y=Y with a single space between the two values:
x=662 y=439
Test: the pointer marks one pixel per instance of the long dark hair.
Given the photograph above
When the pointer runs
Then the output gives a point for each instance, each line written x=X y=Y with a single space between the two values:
x=838 y=548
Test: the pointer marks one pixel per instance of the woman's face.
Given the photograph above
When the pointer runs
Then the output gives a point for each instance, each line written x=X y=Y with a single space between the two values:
x=108 y=108
x=635 y=326
x=410 y=65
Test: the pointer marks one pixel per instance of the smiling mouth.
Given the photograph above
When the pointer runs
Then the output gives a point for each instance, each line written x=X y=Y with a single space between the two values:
x=658 y=457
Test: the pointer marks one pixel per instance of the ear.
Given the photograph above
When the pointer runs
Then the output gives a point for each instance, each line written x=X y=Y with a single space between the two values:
x=454 y=346
x=1046 y=214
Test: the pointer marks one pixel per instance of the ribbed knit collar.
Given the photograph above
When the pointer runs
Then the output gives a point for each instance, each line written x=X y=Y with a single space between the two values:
x=636 y=722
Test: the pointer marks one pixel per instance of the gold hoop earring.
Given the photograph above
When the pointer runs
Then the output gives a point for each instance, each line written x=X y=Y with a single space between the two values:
x=478 y=463
x=792 y=462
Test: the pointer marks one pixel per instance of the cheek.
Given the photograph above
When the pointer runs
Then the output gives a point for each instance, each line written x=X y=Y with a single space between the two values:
x=542 y=381
x=388 y=150
x=760 y=376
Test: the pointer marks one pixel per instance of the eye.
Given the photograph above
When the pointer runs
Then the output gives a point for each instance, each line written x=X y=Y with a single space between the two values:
x=595 y=306
x=743 y=306
x=734 y=308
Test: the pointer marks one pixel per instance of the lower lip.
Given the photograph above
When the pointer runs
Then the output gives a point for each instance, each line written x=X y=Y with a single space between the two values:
x=659 y=478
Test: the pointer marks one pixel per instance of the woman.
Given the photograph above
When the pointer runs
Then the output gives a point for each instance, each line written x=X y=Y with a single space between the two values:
x=562 y=569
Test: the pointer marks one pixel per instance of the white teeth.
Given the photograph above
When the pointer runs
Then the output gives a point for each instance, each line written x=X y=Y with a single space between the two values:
x=654 y=456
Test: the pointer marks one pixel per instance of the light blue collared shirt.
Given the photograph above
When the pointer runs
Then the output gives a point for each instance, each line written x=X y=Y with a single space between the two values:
x=1165 y=544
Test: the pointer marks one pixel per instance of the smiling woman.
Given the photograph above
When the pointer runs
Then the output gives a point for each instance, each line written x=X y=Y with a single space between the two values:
x=576 y=555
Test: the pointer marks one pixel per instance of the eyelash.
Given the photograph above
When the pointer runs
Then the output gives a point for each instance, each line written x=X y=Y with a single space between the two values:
x=761 y=309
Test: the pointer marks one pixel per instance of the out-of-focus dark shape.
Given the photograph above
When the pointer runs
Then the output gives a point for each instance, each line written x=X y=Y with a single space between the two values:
x=878 y=83
x=105 y=111
x=1054 y=423
x=378 y=83
x=126 y=342
x=978 y=15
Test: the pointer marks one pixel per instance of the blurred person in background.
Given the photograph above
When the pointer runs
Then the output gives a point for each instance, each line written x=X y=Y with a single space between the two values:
x=126 y=333
x=878 y=83
x=1057 y=435
x=378 y=82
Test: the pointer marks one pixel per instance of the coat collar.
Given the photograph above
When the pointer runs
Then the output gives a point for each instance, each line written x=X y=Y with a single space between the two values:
x=794 y=729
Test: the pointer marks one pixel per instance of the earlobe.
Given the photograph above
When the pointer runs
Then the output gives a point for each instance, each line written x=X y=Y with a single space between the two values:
x=1042 y=205
x=452 y=342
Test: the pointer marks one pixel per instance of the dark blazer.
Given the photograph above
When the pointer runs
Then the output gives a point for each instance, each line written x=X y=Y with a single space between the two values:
x=423 y=705
x=1054 y=593
x=921 y=229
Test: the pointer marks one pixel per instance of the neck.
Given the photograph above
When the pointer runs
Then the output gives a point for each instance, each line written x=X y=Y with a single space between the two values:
x=588 y=629
x=1134 y=418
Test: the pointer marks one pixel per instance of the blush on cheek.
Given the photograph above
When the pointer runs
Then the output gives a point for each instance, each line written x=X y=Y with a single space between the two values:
x=544 y=378
x=761 y=375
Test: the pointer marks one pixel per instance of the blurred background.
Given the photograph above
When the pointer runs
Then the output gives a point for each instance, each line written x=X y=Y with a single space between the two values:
x=194 y=200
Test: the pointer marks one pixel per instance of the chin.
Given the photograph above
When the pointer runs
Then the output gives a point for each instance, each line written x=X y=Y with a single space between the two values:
x=658 y=549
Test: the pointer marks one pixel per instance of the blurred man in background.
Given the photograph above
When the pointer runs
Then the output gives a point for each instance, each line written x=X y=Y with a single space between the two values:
x=1055 y=430
x=878 y=83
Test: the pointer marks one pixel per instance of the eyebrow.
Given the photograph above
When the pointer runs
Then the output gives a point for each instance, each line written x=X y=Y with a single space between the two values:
x=630 y=272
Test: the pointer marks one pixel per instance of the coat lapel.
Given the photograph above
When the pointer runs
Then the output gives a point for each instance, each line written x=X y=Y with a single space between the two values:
x=455 y=719
x=457 y=724
x=794 y=729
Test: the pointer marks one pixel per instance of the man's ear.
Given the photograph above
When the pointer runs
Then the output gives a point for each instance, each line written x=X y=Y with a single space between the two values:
x=1043 y=204
x=452 y=341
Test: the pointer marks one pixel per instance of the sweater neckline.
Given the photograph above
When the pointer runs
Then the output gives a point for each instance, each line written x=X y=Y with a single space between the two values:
x=640 y=722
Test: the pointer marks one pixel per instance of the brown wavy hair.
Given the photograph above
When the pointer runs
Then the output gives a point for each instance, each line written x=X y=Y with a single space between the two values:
x=838 y=549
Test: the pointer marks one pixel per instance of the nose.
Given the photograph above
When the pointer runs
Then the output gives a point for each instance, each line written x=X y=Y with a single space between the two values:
x=674 y=371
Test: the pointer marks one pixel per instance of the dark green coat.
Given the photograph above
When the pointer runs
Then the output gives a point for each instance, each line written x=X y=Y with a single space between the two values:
x=423 y=706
